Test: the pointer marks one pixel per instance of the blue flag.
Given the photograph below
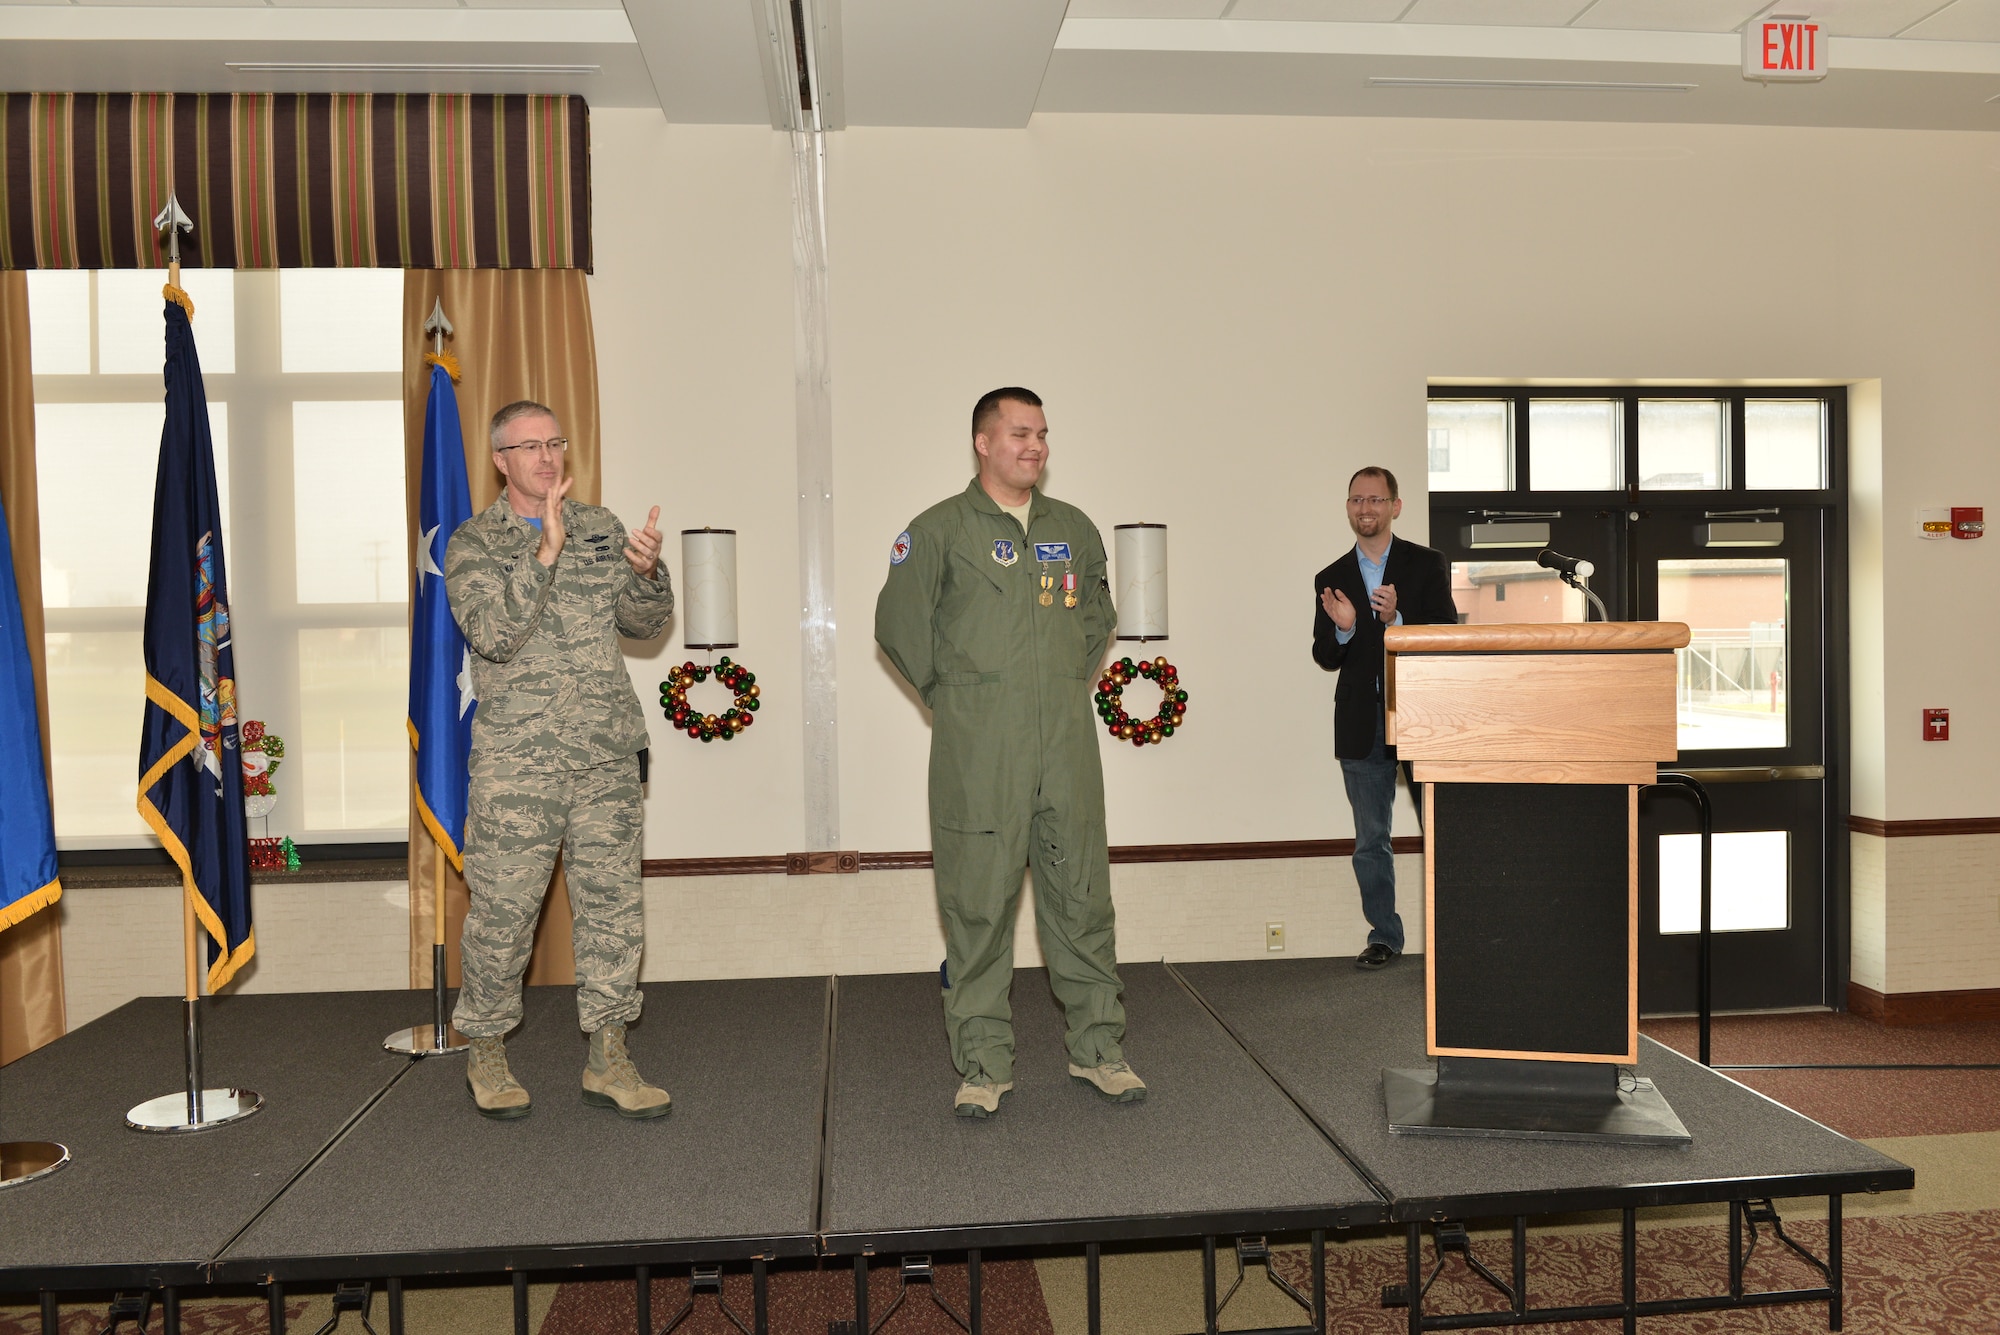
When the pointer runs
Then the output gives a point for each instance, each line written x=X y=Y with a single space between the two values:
x=190 y=762
x=27 y=827
x=441 y=698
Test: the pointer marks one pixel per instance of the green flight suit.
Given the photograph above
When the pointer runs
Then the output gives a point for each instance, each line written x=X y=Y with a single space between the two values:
x=1015 y=779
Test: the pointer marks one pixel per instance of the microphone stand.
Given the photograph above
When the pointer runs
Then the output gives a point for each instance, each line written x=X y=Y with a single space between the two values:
x=1582 y=586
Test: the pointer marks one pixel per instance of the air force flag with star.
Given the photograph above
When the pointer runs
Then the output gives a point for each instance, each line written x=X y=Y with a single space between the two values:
x=440 y=666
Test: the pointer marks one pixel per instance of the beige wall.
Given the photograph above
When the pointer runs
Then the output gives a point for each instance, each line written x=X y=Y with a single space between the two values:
x=1227 y=315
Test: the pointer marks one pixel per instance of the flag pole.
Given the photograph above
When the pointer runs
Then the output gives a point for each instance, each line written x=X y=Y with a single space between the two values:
x=196 y=1108
x=437 y=1038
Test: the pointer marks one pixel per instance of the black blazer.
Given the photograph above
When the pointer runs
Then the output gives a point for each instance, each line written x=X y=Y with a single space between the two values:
x=1423 y=597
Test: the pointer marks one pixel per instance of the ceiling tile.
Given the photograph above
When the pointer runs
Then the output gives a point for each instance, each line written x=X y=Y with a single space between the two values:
x=1322 y=11
x=1146 y=9
x=354 y=4
x=1963 y=21
x=1671 y=15
x=1497 y=13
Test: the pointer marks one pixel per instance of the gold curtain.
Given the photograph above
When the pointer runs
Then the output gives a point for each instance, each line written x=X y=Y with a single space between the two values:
x=520 y=334
x=31 y=974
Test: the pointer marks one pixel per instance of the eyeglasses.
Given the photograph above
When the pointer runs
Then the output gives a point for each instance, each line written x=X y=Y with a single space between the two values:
x=554 y=445
x=1370 y=502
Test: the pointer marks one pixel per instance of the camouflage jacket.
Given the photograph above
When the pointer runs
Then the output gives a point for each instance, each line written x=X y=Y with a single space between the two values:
x=553 y=690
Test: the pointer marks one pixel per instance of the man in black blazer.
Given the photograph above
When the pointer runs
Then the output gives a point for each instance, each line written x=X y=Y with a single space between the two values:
x=1384 y=581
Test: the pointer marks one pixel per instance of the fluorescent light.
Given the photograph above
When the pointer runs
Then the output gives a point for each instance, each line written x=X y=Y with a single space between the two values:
x=383 y=67
x=1558 y=85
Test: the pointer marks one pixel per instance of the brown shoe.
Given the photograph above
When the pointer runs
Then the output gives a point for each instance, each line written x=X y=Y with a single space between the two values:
x=494 y=1088
x=610 y=1080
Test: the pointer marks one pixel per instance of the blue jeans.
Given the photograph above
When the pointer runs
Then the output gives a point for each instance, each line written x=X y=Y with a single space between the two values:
x=1371 y=791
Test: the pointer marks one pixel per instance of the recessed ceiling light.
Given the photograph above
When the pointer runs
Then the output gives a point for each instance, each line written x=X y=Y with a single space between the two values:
x=383 y=67
x=1544 y=85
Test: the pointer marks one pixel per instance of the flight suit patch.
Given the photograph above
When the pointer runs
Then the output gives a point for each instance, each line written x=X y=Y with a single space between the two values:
x=1003 y=551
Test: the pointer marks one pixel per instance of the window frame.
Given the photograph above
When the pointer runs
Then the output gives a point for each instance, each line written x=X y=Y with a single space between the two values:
x=260 y=550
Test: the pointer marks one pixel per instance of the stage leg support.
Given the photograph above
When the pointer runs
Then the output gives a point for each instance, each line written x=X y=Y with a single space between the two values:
x=1629 y=1263
x=395 y=1306
x=1833 y=1267
x=1736 y=1249
x=1210 y=1308
x=51 y=1313
x=520 y=1302
x=1520 y=1264
x=861 y=1295
x=1093 y=1291
x=975 y=1303
x=642 y=1298
x=274 y=1301
x=760 y=1296
x=1319 y=1281
x=170 y=1311
x=1413 y=1259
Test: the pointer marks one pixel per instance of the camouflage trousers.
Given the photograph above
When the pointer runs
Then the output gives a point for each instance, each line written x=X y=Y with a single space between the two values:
x=516 y=823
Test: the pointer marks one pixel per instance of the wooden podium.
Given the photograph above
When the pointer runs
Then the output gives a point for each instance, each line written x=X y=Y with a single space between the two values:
x=1532 y=742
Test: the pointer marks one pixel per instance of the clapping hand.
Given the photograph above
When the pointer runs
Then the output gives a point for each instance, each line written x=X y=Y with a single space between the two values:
x=643 y=550
x=1383 y=600
x=552 y=523
x=1339 y=608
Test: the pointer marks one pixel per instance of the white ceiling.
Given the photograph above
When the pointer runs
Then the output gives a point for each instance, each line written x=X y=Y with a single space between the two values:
x=1896 y=63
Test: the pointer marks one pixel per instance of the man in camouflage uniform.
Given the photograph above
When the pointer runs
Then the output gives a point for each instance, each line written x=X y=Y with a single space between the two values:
x=997 y=611
x=543 y=587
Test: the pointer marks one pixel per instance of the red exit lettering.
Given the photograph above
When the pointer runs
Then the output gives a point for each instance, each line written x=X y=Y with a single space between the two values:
x=1791 y=46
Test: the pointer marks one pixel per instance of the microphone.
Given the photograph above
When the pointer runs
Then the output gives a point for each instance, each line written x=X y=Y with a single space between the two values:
x=1569 y=567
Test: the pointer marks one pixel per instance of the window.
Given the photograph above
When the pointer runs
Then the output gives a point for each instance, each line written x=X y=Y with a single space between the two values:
x=1471 y=445
x=1578 y=444
x=304 y=379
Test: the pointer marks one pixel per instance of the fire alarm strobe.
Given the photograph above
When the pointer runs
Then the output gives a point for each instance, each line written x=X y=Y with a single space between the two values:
x=1937 y=725
x=1968 y=521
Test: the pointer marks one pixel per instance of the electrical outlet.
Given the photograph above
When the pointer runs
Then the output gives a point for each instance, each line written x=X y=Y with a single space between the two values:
x=1274 y=936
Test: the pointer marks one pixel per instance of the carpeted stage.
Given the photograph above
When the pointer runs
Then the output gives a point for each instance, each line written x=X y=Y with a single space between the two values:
x=810 y=1119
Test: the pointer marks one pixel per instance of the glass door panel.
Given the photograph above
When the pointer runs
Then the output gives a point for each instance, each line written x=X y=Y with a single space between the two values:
x=1730 y=680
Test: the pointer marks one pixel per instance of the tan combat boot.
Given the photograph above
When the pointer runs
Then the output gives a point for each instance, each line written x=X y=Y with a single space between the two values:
x=1114 y=1080
x=979 y=1098
x=612 y=1081
x=493 y=1086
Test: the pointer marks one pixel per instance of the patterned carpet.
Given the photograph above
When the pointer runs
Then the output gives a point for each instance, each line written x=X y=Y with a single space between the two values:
x=1918 y=1263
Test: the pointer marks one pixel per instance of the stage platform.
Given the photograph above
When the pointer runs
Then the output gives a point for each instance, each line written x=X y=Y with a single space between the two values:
x=1215 y=1148
x=1745 y=1145
x=812 y=1118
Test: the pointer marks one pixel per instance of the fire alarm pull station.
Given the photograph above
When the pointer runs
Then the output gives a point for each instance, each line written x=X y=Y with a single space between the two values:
x=1937 y=725
x=1968 y=521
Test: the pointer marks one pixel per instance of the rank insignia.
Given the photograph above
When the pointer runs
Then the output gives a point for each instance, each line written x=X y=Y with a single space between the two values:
x=1003 y=551
x=1052 y=551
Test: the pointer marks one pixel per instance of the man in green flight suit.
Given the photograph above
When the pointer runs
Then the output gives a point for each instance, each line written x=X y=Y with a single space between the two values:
x=543 y=587
x=997 y=611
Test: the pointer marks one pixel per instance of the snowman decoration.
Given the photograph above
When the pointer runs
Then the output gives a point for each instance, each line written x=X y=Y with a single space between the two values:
x=262 y=751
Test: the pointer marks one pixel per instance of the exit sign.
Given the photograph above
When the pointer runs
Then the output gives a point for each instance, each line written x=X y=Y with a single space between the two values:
x=1784 y=48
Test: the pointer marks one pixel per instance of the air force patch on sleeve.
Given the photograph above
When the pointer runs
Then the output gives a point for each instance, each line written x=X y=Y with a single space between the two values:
x=1052 y=551
x=899 y=550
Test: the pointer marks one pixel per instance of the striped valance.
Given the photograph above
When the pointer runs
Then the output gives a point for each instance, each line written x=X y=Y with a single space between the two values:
x=296 y=180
